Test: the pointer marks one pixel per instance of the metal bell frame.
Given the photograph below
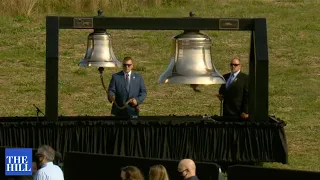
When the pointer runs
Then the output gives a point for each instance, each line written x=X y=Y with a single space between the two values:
x=258 y=59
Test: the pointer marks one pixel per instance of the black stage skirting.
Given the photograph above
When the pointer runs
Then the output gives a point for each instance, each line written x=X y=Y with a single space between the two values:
x=172 y=137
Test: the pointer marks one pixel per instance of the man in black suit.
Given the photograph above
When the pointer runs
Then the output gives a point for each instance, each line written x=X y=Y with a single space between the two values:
x=235 y=92
x=126 y=90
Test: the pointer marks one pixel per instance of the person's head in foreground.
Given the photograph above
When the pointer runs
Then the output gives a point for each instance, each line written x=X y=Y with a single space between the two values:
x=45 y=154
x=131 y=173
x=187 y=168
x=158 y=172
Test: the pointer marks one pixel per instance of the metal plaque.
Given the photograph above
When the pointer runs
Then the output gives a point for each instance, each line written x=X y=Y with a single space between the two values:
x=83 y=23
x=232 y=24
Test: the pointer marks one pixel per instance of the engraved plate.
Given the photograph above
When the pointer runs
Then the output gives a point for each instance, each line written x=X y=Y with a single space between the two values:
x=83 y=23
x=232 y=24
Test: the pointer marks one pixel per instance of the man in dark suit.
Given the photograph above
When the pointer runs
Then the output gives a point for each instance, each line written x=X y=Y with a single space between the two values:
x=126 y=91
x=235 y=92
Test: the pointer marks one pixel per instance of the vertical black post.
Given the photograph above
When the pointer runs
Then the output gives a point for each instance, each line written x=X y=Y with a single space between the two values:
x=252 y=80
x=52 y=62
x=262 y=70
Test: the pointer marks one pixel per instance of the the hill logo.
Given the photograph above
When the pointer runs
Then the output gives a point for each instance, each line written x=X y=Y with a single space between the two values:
x=18 y=162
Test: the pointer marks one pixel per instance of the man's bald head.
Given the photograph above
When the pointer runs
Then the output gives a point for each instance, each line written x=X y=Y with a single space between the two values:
x=187 y=168
x=187 y=164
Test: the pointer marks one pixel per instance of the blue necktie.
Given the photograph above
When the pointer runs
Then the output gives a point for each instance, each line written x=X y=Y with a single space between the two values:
x=229 y=80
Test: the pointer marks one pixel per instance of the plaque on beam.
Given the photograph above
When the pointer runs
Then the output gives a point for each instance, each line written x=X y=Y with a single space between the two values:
x=83 y=23
x=231 y=24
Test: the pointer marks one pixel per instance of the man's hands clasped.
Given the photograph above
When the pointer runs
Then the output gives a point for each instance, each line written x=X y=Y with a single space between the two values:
x=133 y=101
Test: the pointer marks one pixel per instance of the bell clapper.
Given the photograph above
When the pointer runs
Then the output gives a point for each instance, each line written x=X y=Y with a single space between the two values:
x=101 y=69
x=194 y=87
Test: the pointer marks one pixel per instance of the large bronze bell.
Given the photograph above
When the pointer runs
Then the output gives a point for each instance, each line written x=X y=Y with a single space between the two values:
x=99 y=51
x=191 y=61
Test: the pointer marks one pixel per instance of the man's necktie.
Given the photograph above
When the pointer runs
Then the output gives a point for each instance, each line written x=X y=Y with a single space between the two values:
x=127 y=81
x=229 y=80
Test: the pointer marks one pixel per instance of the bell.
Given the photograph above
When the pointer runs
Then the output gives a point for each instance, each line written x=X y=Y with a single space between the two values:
x=99 y=51
x=191 y=61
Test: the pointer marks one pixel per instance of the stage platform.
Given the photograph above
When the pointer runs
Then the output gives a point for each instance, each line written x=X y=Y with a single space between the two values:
x=202 y=138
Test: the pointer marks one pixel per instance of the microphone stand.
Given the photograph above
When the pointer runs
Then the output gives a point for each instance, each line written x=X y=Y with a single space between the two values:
x=38 y=111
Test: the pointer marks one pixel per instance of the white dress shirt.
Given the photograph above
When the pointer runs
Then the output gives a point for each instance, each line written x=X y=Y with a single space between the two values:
x=49 y=171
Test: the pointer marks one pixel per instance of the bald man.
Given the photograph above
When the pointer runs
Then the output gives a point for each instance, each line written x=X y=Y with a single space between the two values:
x=187 y=169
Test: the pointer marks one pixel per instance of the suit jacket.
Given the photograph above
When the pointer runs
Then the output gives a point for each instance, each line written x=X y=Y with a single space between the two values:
x=236 y=95
x=117 y=88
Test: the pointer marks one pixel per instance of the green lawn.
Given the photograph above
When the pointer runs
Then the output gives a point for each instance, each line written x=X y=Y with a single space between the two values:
x=294 y=82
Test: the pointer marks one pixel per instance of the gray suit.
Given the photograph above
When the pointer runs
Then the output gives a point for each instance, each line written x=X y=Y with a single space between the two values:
x=117 y=88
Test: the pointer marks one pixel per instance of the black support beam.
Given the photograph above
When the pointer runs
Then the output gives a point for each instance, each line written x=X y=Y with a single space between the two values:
x=252 y=79
x=52 y=67
x=261 y=70
x=146 y=23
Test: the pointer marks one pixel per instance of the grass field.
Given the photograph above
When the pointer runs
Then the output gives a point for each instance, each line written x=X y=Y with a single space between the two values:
x=294 y=82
